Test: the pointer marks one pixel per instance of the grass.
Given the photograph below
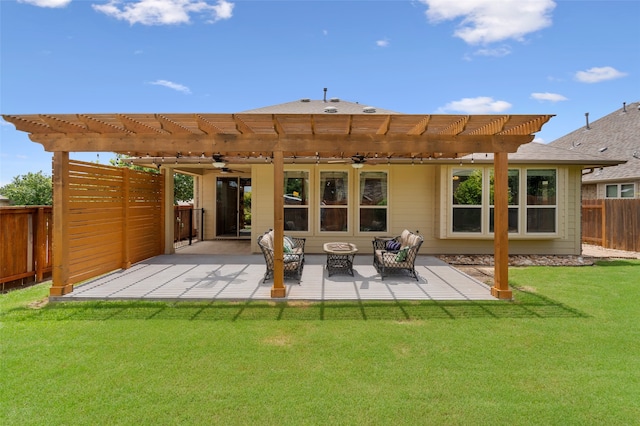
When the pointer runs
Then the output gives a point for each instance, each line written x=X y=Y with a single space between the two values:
x=565 y=351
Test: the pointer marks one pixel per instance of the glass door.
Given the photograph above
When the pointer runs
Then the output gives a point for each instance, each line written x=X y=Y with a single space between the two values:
x=233 y=207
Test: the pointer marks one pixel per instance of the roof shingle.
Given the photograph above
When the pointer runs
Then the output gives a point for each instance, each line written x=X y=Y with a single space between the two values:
x=614 y=136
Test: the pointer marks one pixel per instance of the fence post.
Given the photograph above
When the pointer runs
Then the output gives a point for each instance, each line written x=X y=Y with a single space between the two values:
x=201 y=224
x=603 y=203
x=39 y=244
x=191 y=211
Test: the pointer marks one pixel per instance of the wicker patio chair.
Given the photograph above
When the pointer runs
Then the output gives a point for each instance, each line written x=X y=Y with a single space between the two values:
x=293 y=256
x=397 y=254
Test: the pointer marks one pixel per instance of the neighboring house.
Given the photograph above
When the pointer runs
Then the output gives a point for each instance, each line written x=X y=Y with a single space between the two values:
x=614 y=136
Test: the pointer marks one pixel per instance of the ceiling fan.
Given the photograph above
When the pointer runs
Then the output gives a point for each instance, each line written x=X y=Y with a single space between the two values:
x=357 y=161
x=354 y=159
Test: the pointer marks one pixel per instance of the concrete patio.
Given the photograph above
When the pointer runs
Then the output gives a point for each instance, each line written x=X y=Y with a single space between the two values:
x=192 y=276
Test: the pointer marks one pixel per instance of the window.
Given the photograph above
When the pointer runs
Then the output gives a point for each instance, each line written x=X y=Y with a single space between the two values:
x=531 y=199
x=334 y=204
x=513 y=197
x=467 y=200
x=541 y=200
x=296 y=201
x=626 y=190
x=373 y=202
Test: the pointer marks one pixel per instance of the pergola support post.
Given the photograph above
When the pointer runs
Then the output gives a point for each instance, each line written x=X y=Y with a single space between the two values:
x=169 y=215
x=500 y=287
x=278 y=289
x=60 y=266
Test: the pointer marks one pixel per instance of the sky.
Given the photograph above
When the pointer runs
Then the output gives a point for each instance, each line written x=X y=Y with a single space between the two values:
x=565 y=58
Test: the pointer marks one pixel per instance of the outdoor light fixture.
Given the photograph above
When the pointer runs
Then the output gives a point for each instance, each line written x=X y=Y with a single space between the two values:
x=357 y=165
x=218 y=162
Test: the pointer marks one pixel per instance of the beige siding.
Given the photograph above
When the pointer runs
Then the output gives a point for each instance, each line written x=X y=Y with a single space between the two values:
x=209 y=204
x=418 y=201
x=566 y=242
x=261 y=202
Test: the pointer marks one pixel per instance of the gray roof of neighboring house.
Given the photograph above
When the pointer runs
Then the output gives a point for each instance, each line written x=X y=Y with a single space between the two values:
x=309 y=106
x=614 y=136
x=536 y=153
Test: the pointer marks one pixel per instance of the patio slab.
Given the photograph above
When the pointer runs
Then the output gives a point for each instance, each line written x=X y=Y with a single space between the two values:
x=199 y=277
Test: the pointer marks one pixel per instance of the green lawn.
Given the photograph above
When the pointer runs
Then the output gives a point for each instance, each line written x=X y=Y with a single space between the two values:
x=566 y=351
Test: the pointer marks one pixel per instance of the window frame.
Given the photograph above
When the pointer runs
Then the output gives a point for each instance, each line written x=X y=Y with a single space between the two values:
x=347 y=206
x=619 y=190
x=300 y=206
x=522 y=206
x=360 y=206
x=454 y=206
x=555 y=205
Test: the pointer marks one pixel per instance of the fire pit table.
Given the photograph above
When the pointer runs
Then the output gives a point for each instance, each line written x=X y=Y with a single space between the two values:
x=340 y=257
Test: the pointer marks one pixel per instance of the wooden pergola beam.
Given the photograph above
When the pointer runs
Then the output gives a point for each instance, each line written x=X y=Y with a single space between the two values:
x=334 y=144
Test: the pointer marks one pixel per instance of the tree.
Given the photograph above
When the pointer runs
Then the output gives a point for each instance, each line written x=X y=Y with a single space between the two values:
x=32 y=189
x=182 y=187
x=182 y=184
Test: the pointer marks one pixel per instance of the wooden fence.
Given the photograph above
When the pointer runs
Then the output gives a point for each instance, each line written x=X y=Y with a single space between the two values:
x=25 y=245
x=612 y=223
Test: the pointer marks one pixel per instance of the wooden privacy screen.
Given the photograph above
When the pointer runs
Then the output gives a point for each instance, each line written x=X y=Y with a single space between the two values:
x=115 y=218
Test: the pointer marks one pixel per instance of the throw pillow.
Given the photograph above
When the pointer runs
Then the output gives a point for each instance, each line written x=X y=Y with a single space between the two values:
x=392 y=245
x=288 y=245
x=402 y=254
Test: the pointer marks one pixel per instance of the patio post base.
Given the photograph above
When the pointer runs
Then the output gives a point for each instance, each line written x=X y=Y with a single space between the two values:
x=60 y=290
x=501 y=293
x=278 y=292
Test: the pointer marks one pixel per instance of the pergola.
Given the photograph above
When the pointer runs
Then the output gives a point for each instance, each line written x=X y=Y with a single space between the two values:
x=280 y=138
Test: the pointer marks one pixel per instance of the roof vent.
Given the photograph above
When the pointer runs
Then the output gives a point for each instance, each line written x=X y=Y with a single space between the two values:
x=334 y=100
x=369 y=110
x=331 y=110
x=305 y=100
x=603 y=149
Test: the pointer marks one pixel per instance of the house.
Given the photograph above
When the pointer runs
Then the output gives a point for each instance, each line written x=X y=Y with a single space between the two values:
x=326 y=170
x=614 y=136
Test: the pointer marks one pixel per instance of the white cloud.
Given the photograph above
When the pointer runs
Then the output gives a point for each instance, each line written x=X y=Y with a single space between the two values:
x=479 y=105
x=46 y=3
x=598 y=74
x=165 y=12
x=538 y=139
x=497 y=52
x=551 y=97
x=489 y=21
x=171 y=85
x=382 y=43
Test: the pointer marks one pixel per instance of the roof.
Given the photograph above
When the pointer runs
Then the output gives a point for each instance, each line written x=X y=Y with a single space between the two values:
x=299 y=129
x=537 y=153
x=310 y=106
x=614 y=136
